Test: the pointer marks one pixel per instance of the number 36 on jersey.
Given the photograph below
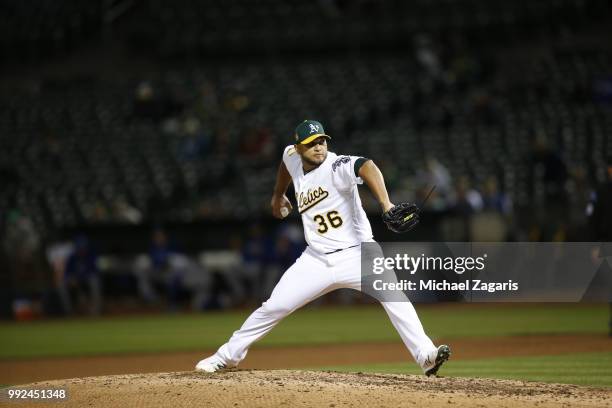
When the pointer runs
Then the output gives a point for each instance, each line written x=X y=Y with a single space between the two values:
x=325 y=221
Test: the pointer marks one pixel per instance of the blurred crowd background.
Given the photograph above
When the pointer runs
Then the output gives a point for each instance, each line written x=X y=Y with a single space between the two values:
x=139 y=139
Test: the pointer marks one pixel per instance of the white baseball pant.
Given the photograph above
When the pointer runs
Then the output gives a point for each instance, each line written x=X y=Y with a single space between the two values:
x=313 y=275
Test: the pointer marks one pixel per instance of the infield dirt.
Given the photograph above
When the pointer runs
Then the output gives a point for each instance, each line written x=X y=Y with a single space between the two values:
x=285 y=388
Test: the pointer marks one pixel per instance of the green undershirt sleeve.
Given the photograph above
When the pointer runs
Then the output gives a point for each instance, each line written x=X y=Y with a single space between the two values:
x=358 y=163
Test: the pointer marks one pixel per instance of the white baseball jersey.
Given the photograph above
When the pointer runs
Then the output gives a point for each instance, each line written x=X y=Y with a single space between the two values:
x=329 y=202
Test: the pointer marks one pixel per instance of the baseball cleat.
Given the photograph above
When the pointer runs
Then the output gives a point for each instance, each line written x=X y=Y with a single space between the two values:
x=442 y=356
x=210 y=365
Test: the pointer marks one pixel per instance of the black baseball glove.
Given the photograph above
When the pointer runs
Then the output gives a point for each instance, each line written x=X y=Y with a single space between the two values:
x=402 y=218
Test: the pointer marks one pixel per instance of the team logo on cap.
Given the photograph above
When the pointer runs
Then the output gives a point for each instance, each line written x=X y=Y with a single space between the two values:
x=313 y=128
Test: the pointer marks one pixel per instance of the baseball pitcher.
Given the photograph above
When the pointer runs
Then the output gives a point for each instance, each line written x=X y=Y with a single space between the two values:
x=335 y=225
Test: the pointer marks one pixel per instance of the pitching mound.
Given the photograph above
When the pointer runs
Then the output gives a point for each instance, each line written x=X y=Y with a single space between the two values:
x=275 y=388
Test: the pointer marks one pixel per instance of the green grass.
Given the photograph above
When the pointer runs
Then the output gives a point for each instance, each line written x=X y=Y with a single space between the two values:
x=311 y=326
x=593 y=369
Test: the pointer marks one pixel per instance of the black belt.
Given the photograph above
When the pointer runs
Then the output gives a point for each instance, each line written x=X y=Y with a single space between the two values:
x=342 y=249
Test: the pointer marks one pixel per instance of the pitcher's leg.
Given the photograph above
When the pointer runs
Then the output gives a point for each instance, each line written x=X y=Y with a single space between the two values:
x=404 y=318
x=407 y=323
x=303 y=282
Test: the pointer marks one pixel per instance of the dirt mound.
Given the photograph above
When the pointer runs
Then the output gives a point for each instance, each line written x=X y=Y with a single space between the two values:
x=286 y=388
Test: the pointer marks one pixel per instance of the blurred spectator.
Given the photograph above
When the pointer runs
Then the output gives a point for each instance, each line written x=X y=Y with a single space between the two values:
x=549 y=166
x=493 y=199
x=145 y=104
x=22 y=246
x=125 y=213
x=427 y=55
x=259 y=257
x=207 y=104
x=257 y=143
x=256 y=251
x=174 y=271
x=58 y=253
x=465 y=200
x=288 y=246
x=196 y=143
x=26 y=277
x=150 y=103
x=21 y=238
x=96 y=212
x=493 y=223
x=549 y=173
x=463 y=203
x=237 y=102
x=435 y=173
x=155 y=267
x=81 y=279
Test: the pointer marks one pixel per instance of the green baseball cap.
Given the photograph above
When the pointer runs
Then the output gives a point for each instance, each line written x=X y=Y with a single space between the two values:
x=309 y=130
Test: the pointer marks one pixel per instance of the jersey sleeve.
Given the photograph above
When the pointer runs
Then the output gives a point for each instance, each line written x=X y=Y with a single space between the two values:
x=291 y=159
x=345 y=170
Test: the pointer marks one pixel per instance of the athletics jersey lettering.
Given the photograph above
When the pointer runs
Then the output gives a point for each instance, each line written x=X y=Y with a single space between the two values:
x=311 y=198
